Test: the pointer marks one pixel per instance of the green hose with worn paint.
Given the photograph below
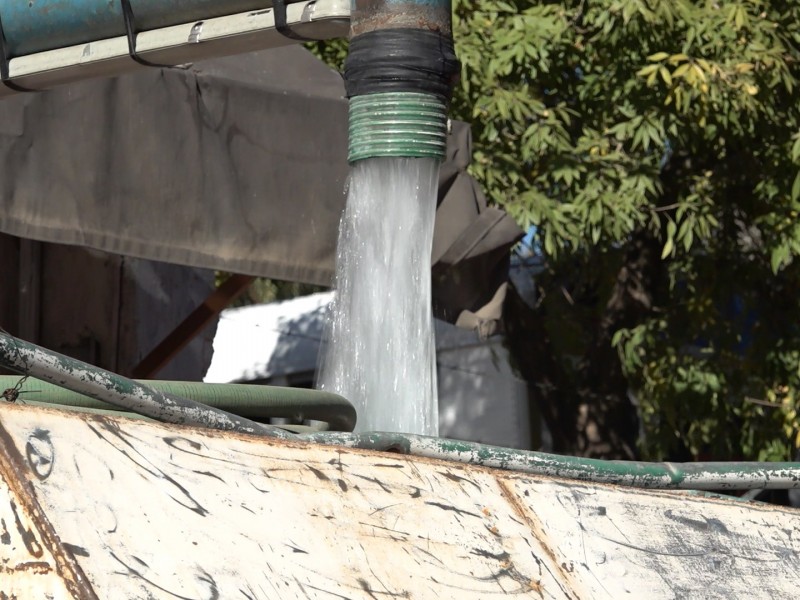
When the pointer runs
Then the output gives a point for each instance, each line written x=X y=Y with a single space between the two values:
x=664 y=476
x=161 y=400
x=251 y=401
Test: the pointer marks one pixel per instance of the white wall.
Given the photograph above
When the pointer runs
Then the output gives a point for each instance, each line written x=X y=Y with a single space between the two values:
x=480 y=397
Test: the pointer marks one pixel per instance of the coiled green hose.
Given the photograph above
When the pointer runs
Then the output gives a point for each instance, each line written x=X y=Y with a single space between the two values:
x=257 y=402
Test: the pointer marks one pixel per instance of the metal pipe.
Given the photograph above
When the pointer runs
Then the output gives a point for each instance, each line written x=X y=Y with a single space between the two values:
x=30 y=359
x=48 y=24
x=685 y=476
x=374 y=15
x=399 y=76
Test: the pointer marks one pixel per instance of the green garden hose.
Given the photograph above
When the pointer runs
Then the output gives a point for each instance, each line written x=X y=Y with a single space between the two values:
x=723 y=476
x=255 y=402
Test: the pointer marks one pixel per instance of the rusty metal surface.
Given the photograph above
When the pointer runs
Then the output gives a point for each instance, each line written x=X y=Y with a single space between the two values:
x=34 y=563
x=171 y=512
x=371 y=15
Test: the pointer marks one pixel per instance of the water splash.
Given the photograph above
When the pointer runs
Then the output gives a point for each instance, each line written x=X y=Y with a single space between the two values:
x=380 y=352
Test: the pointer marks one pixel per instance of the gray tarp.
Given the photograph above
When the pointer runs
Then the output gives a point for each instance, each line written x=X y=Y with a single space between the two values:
x=237 y=164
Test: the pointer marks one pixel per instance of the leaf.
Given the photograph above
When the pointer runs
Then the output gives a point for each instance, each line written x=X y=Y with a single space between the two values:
x=779 y=256
x=546 y=56
x=681 y=70
x=669 y=245
x=688 y=238
x=617 y=337
x=700 y=73
x=649 y=69
x=678 y=58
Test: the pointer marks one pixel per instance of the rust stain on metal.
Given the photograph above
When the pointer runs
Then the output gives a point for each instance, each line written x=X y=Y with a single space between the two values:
x=395 y=21
x=39 y=567
x=370 y=16
x=510 y=496
x=15 y=474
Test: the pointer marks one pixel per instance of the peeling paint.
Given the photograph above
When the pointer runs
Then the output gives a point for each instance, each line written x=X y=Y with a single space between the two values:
x=33 y=564
x=289 y=520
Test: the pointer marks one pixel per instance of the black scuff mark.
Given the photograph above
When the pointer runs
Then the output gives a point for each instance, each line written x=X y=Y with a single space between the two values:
x=363 y=582
x=140 y=561
x=338 y=461
x=302 y=588
x=135 y=573
x=247 y=595
x=172 y=442
x=5 y=536
x=655 y=552
x=210 y=474
x=207 y=578
x=40 y=453
x=255 y=487
x=375 y=480
x=510 y=572
x=294 y=548
x=292 y=481
x=193 y=444
x=459 y=479
x=500 y=556
x=451 y=508
x=328 y=592
x=116 y=521
x=382 y=508
x=429 y=554
x=365 y=586
x=75 y=549
x=390 y=530
x=705 y=525
x=146 y=465
x=319 y=474
x=32 y=545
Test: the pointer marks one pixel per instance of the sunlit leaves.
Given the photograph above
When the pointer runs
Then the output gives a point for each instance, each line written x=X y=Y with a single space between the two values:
x=596 y=120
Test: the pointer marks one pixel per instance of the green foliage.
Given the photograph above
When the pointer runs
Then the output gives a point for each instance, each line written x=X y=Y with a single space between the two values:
x=603 y=121
x=333 y=52
x=600 y=119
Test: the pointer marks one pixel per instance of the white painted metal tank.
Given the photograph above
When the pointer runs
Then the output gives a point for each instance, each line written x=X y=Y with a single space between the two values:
x=99 y=507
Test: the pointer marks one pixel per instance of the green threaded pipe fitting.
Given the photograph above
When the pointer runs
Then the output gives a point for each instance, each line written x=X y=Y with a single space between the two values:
x=397 y=124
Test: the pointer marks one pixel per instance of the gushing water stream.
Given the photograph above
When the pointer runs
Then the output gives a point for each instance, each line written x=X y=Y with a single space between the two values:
x=380 y=352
